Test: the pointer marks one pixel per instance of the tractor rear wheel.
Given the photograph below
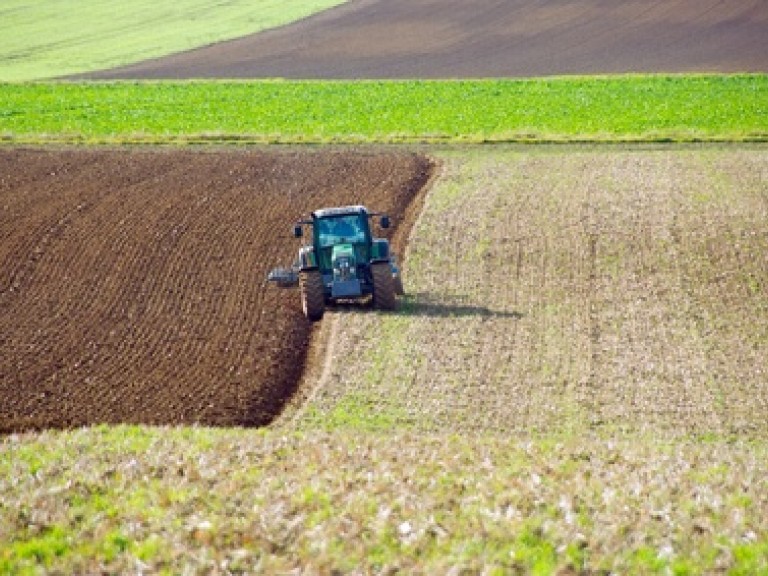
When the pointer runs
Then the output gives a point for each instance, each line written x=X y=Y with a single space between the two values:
x=399 y=289
x=312 y=294
x=383 y=286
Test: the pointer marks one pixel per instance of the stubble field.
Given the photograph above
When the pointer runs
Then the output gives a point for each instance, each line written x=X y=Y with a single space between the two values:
x=567 y=290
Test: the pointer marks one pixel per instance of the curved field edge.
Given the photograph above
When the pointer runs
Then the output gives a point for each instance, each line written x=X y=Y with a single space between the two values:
x=632 y=108
x=47 y=39
x=191 y=499
x=133 y=285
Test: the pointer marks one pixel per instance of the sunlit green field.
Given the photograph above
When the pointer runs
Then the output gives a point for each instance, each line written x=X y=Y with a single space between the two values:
x=623 y=108
x=52 y=38
x=176 y=501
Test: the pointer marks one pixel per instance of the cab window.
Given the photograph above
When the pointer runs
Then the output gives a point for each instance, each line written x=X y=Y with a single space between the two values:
x=340 y=230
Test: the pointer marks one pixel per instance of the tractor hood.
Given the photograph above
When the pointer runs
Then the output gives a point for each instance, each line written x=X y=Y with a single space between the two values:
x=343 y=251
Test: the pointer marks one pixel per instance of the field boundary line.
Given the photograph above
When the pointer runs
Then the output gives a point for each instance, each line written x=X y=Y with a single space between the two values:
x=323 y=342
x=437 y=174
x=323 y=346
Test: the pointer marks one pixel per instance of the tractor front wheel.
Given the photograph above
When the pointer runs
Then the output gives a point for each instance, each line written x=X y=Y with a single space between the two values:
x=312 y=294
x=383 y=286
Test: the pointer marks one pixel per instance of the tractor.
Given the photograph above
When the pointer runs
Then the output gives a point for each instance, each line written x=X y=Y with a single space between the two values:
x=343 y=263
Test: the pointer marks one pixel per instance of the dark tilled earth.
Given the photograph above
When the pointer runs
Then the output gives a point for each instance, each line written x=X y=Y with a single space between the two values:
x=132 y=283
x=487 y=38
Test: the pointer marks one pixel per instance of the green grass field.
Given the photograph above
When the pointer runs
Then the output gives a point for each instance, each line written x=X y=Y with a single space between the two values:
x=172 y=501
x=625 y=108
x=53 y=38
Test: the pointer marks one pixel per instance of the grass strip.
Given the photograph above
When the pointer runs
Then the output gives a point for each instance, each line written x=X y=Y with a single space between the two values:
x=50 y=38
x=194 y=500
x=633 y=108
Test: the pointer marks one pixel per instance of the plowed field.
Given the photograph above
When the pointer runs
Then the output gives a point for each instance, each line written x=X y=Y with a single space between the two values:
x=487 y=38
x=132 y=283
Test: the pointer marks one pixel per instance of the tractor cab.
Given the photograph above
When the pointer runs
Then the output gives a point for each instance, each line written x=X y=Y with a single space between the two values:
x=342 y=236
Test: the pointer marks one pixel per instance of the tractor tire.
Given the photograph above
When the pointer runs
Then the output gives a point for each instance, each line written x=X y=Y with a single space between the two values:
x=383 y=287
x=312 y=294
x=399 y=289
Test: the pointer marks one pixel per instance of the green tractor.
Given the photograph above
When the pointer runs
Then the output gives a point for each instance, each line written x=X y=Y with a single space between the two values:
x=343 y=263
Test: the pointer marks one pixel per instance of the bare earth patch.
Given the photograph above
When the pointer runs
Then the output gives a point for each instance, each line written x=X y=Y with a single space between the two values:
x=571 y=290
x=487 y=38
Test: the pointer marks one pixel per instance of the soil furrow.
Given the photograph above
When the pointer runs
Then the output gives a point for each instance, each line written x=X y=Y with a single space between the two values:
x=149 y=303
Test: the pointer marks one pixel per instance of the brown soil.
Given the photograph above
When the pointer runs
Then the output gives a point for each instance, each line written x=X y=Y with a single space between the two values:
x=488 y=38
x=132 y=283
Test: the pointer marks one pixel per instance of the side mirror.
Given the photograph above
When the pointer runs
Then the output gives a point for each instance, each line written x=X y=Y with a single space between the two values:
x=298 y=232
x=385 y=221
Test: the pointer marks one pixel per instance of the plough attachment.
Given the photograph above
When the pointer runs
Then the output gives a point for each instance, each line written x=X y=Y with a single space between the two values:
x=284 y=277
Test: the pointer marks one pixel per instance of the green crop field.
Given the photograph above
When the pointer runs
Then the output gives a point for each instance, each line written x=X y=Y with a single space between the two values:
x=52 y=38
x=128 y=499
x=626 y=108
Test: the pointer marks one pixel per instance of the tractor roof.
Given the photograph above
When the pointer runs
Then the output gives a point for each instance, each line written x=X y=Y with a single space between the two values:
x=340 y=211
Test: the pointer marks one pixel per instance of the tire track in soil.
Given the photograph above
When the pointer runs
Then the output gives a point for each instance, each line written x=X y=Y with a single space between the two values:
x=322 y=358
x=133 y=280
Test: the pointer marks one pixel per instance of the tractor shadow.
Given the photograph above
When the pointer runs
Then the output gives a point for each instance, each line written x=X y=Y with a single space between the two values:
x=432 y=305
x=429 y=305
